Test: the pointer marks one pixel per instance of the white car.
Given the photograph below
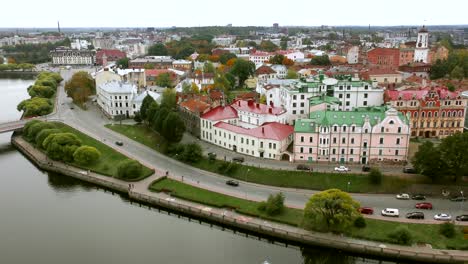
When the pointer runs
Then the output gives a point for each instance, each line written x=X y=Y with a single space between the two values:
x=341 y=169
x=443 y=217
x=403 y=196
x=391 y=212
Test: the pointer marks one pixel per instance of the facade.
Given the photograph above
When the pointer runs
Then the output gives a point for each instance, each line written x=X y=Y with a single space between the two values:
x=152 y=76
x=293 y=55
x=116 y=99
x=433 y=111
x=265 y=73
x=135 y=76
x=106 y=55
x=67 y=56
x=182 y=65
x=353 y=55
x=190 y=112
x=367 y=135
x=384 y=77
x=421 y=52
x=281 y=70
x=406 y=56
x=260 y=57
x=158 y=62
x=383 y=58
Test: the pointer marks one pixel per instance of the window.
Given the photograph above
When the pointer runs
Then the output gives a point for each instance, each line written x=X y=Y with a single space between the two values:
x=335 y=128
x=269 y=145
x=302 y=150
x=396 y=152
x=302 y=96
x=310 y=139
x=366 y=131
x=302 y=139
x=294 y=104
x=352 y=140
x=348 y=88
x=247 y=141
x=381 y=129
x=340 y=96
x=342 y=151
x=333 y=151
x=343 y=140
x=381 y=141
x=334 y=140
x=364 y=103
x=415 y=114
x=294 y=97
x=310 y=150
x=398 y=141
x=399 y=129
x=348 y=96
x=302 y=104
x=351 y=151
x=347 y=103
x=294 y=112
x=380 y=152
x=365 y=95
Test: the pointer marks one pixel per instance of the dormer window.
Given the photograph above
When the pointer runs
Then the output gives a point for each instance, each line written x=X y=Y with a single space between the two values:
x=391 y=122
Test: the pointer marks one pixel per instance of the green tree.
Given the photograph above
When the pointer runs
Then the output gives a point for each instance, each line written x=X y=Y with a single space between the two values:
x=438 y=70
x=123 y=63
x=36 y=106
x=36 y=128
x=274 y=204
x=173 y=127
x=330 y=210
x=208 y=67
x=169 y=99
x=457 y=73
x=427 y=161
x=137 y=117
x=192 y=153
x=158 y=119
x=41 y=136
x=320 y=60
x=164 y=80
x=447 y=230
x=186 y=88
x=375 y=176
x=61 y=146
x=86 y=155
x=129 y=169
x=243 y=69
x=292 y=74
x=80 y=87
x=267 y=45
x=41 y=91
x=147 y=101
x=157 y=49
x=222 y=83
x=277 y=59
x=151 y=113
x=454 y=154
x=226 y=56
x=401 y=235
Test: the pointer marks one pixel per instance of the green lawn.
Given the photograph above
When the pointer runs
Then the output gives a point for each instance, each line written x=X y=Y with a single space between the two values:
x=376 y=229
x=107 y=164
x=359 y=183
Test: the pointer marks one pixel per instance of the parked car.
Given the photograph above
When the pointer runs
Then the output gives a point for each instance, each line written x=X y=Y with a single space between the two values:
x=232 y=183
x=403 y=196
x=418 y=197
x=119 y=143
x=366 y=168
x=304 y=167
x=238 y=159
x=366 y=210
x=424 y=206
x=391 y=212
x=442 y=217
x=409 y=170
x=458 y=199
x=461 y=218
x=415 y=215
x=341 y=169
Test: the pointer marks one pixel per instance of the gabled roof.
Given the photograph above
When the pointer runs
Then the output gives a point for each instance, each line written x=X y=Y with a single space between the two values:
x=257 y=108
x=195 y=106
x=221 y=113
x=443 y=92
x=273 y=130
x=264 y=70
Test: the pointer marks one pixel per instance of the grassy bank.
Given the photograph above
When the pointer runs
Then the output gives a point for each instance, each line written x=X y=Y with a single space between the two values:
x=376 y=230
x=359 y=183
x=109 y=158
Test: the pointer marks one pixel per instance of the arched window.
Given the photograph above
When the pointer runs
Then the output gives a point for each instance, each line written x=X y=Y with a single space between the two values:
x=415 y=114
x=443 y=113
x=391 y=122
x=460 y=113
x=423 y=114
x=449 y=113
x=429 y=114
x=436 y=114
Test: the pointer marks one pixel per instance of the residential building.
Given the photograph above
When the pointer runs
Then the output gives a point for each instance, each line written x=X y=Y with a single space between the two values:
x=281 y=70
x=260 y=57
x=383 y=58
x=116 y=99
x=67 y=56
x=135 y=76
x=152 y=76
x=433 y=111
x=190 y=112
x=385 y=77
x=104 y=56
x=366 y=135
x=265 y=73
x=138 y=100
x=293 y=55
x=103 y=43
x=406 y=56
x=182 y=65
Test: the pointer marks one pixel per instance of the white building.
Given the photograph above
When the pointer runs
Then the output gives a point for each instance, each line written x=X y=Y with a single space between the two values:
x=67 y=56
x=134 y=76
x=293 y=55
x=260 y=57
x=116 y=98
x=421 y=52
x=80 y=44
x=353 y=55
x=226 y=41
x=281 y=70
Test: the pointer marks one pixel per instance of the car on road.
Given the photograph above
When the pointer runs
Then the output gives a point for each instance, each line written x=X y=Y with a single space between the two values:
x=442 y=217
x=461 y=218
x=415 y=215
x=232 y=183
x=458 y=199
x=403 y=196
x=409 y=170
x=238 y=159
x=304 y=167
x=341 y=169
x=418 y=197
x=424 y=206
x=390 y=212
x=366 y=168
x=366 y=210
x=119 y=143
x=71 y=107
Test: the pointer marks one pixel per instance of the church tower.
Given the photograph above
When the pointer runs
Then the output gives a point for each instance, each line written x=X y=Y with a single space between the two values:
x=421 y=52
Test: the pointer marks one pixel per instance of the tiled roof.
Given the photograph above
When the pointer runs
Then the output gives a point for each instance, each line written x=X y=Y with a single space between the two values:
x=195 y=106
x=264 y=70
x=274 y=130
x=110 y=53
x=443 y=92
x=156 y=72
x=221 y=113
x=252 y=107
x=216 y=95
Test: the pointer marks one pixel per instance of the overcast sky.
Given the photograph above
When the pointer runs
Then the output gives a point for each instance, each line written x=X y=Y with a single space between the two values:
x=166 y=13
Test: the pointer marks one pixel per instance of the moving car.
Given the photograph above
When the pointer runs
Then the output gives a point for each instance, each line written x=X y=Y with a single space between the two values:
x=458 y=199
x=366 y=210
x=403 y=196
x=442 y=217
x=391 y=212
x=418 y=197
x=119 y=143
x=461 y=218
x=415 y=215
x=304 y=167
x=409 y=170
x=341 y=169
x=232 y=183
x=424 y=206
x=366 y=168
x=238 y=159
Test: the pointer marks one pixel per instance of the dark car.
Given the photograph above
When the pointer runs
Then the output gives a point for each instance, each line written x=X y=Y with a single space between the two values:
x=232 y=183
x=366 y=210
x=415 y=215
x=119 y=143
x=409 y=170
x=366 y=168
x=458 y=199
x=418 y=197
x=238 y=159
x=424 y=206
x=303 y=167
x=462 y=218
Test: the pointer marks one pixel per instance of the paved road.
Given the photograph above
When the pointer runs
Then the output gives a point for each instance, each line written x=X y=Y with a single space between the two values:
x=92 y=122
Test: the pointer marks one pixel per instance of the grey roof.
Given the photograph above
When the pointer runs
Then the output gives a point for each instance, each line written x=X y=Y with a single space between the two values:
x=118 y=87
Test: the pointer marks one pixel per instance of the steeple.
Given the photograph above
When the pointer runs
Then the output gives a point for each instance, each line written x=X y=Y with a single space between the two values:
x=58 y=26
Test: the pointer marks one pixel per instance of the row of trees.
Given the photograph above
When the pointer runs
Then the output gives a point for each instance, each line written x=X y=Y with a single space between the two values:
x=80 y=87
x=449 y=159
x=455 y=66
x=16 y=67
x=41 y=93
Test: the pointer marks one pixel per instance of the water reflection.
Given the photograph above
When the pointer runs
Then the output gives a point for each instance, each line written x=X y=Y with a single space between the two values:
x=62 y=183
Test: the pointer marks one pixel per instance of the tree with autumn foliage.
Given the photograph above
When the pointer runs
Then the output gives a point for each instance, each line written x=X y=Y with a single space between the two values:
x=287 y=61
x=80 y=87
x=231 y=62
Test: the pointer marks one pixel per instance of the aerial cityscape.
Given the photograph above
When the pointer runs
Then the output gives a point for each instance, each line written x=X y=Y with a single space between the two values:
x=198 y=136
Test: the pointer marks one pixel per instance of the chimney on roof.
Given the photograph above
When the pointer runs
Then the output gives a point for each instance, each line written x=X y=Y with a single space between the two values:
x=249 y=102
x=238 y=103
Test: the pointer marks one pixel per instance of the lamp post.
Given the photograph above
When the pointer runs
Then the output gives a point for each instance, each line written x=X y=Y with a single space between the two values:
x=245 y=176
x=461 y=204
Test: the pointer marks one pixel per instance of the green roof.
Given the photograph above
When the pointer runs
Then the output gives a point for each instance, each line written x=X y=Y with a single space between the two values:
x=315 y=100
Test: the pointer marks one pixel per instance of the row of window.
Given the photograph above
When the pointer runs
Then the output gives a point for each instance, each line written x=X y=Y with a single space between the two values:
x=343 y=141
x=444 y=114
x=242 y=141
x=427 y=124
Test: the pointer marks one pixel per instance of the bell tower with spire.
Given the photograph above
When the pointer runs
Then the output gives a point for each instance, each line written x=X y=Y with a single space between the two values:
x=422 y=46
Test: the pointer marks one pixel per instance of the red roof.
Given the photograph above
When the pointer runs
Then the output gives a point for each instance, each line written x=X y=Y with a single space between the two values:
x=216 y=95
x=261 y=53
x=252 y=107
x=220 y=113
x=156 y=72
x=274 y=130
x=264 y=70
x=195 y=106
x=110 y=53
x=443 y=93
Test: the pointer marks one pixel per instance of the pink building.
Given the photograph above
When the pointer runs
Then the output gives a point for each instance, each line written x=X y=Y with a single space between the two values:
x=367 y=135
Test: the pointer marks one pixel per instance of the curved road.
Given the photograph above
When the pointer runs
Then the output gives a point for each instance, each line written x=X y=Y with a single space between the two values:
x=92 y=122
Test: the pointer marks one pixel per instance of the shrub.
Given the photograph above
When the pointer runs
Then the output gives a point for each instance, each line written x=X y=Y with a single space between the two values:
x=227 y=168
x=36 y=128
x=61 y=146
x=375 y=176
x=360 y=222
x=447 y=230
x=41 y=91
x=137 y=117
x=36 y=106
x=28 y=126
x=129 y=169
x=401 y=235
x=175 y=150
x=41 y=136
x=192 y=153
x=86 y=155
x=274 y=205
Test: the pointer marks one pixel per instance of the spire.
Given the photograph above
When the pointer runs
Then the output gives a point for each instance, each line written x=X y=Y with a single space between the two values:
x=58 y=26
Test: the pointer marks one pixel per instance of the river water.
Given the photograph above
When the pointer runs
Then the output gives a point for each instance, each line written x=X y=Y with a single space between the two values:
x=50 y=218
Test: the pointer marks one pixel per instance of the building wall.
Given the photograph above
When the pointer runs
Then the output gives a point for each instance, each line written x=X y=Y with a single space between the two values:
x=114 y=104
x=384 y=58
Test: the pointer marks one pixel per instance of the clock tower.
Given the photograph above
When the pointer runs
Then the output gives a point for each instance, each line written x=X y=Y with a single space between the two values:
x=421 y=52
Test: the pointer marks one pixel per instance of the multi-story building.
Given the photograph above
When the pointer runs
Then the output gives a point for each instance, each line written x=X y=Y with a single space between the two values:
x=352 y=56
x=366 y=135
x=260 y=57
x=182 y=65
x=156 y=62
x=104 y=56
x=383 y=58
x=116 y=99
x=67 y=56
x=433 y=111
x=135 y=76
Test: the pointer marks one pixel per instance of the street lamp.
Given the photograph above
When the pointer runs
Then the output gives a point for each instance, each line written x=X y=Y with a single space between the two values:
x=245 y=176
x=463 y=199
